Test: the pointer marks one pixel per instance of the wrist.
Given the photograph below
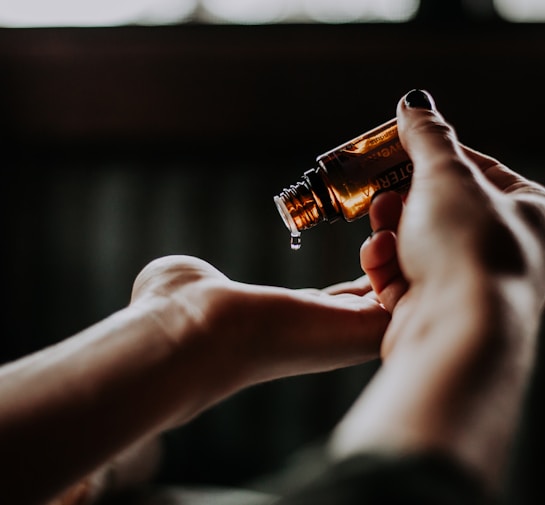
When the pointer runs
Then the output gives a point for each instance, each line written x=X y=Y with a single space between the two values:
x=454 y=381
x=199 y=348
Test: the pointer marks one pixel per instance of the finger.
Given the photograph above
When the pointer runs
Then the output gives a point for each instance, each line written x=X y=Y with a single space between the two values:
x=360 y=287
x=380 y=262
x=384 y=214
x=385 y=211
x=443 y=175
x=429 y=140
x=501 y=176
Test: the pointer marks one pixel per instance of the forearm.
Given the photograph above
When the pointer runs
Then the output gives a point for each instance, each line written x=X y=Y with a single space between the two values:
x=91 y=396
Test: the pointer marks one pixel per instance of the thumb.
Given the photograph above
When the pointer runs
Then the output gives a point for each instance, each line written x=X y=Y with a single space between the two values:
x=443 y=175
x=428 y=139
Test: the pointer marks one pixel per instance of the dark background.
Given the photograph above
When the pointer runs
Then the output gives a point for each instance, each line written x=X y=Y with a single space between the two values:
x=123 y=144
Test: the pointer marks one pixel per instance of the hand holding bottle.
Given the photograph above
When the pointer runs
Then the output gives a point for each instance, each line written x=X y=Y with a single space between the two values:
x=469 y=223
x=461 y=266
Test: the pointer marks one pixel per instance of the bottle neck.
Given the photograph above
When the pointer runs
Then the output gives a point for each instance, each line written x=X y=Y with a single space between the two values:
x=305 y=204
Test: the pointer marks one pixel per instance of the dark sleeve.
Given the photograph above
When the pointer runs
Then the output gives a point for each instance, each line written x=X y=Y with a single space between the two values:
x=423 y=479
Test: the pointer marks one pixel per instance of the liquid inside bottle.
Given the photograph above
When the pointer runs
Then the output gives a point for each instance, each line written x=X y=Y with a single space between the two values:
x=346 y=179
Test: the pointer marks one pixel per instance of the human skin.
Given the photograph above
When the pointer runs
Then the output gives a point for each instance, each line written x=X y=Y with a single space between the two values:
x=461 y=266
x=457 y=352
x=189 y=338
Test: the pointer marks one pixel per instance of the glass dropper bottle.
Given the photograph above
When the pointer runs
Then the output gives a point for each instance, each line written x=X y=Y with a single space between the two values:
x=345 y=180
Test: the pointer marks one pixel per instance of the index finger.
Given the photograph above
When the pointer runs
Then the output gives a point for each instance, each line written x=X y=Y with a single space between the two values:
x=501 y=176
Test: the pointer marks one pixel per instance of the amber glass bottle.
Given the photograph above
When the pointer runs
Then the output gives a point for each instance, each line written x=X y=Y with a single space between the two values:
x=345 y=179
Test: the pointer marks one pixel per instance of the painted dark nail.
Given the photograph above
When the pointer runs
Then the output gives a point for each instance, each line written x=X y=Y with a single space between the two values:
x=418 y=99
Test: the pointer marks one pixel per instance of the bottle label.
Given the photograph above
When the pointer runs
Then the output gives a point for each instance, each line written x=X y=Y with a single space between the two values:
x=396 y=178
x=358 y=171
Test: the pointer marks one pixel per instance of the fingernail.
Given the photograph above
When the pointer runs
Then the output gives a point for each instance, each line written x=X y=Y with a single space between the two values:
x=418 y=99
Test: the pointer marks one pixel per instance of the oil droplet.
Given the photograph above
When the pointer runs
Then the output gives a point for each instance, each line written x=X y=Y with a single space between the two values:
x=295 y=241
